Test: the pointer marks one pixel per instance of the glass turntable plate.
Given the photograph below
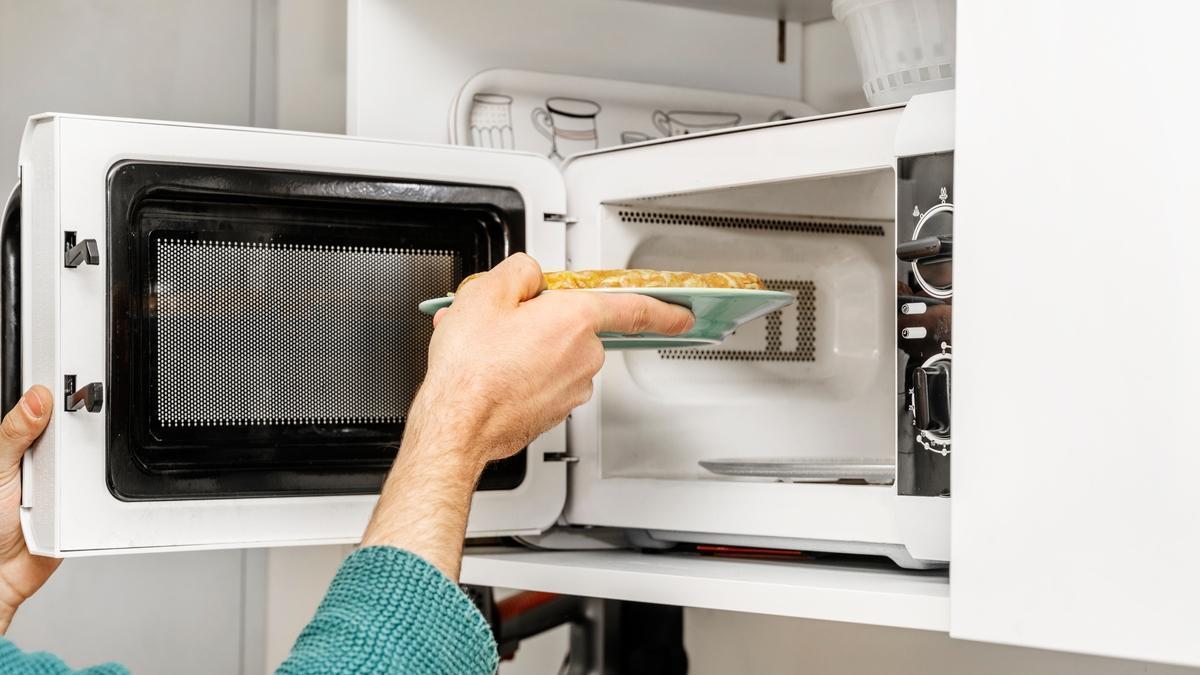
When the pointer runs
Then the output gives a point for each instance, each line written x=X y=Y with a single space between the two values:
x=803 y=470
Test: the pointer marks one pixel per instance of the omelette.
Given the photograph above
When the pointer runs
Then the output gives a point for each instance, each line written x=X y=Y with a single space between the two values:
x=573 y=279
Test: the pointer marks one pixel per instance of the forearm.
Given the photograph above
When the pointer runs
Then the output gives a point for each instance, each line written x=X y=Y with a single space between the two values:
x=394 y=605
x=427 y=496
x=389 y=611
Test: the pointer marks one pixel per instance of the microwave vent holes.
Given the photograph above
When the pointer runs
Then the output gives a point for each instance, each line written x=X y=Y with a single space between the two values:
x=805 y=348
x=808 y=225
x=248 y=334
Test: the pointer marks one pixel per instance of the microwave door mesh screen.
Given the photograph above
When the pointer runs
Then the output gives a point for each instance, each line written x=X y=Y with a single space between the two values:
x=251 y=334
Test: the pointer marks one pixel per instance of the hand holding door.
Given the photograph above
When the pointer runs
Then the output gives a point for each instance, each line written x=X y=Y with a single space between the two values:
x=21 y=572
x=505 y=365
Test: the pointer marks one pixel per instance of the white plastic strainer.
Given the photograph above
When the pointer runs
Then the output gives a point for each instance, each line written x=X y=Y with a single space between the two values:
x=904 y=47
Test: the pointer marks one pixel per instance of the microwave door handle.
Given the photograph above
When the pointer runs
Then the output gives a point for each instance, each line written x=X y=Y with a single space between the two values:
x=10 y=301
x=86 y=251
x=90 y=397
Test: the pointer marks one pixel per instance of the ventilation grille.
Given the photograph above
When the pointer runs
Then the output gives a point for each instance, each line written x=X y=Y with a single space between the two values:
x=252 y=334
x=803 y=314
x=813 y=226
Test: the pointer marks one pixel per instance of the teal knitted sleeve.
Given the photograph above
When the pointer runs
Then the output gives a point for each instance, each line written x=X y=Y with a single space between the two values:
x=389 y=611
x=13 y=661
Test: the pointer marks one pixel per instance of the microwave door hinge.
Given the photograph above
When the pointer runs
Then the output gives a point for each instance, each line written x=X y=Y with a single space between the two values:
x=559 y=457
x=559 y=218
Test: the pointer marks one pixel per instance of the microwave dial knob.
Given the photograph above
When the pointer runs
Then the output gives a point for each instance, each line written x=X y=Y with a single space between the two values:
x=933 y=248
x=931 y=251
x=931 y=397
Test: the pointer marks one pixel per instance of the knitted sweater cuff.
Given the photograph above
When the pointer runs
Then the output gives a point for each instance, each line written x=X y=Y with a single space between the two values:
x=390 y=611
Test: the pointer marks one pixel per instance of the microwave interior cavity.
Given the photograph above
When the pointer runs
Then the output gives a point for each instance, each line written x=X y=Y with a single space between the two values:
x=263 y=325
x=802 y=395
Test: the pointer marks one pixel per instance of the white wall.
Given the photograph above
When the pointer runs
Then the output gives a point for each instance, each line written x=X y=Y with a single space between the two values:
x=719 y=643
x=831 y=78
x=192 y=60
x=296 y=583
x=182 y=613
x=246 y=62
x=185 y=59
x=310 y=80
x=214 y=61
x=409 y=58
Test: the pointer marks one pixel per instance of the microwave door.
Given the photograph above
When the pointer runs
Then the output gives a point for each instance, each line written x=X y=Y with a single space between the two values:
x=243 y=317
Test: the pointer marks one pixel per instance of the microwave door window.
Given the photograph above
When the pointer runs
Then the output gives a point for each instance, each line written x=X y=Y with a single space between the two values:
x=276 y=334
x=264 y=332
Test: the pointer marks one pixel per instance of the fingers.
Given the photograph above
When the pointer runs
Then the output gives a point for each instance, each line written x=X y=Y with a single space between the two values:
x=21 y=426
x=438 y=316
x=631 y=313
x=515 y=280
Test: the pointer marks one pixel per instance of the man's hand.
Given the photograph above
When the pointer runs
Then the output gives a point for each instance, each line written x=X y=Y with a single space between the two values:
x=21 y=572
x=504 y=366
x=510 y=367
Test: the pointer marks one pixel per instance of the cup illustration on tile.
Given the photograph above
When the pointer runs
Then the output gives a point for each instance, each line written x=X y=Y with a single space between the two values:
x=628 y=137
x=680 y=122
x=569 y=124
x=491 y=121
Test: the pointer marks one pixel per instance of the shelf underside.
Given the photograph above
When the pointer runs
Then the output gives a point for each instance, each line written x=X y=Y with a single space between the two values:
x=866 y=592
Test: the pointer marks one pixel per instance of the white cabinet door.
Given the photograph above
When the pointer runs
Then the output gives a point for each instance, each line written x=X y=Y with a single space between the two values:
x=1076 y=517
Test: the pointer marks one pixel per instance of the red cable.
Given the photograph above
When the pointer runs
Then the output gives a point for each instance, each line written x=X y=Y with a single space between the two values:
x=522 y=602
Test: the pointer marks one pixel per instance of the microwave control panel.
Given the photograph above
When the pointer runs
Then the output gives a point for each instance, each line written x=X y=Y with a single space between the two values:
x=924 y=300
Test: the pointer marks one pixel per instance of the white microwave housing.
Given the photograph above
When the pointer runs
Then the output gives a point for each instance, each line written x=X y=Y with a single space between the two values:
x=572 y=221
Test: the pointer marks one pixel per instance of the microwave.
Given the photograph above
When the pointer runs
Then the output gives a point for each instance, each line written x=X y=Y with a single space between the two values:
x=230 y=317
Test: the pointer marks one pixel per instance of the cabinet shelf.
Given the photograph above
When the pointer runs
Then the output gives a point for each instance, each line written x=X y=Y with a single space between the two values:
x=850 y=591
x=803 y=11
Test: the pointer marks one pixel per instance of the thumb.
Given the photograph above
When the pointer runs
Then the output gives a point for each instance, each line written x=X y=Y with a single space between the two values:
x=21 y=426
x=516 y=279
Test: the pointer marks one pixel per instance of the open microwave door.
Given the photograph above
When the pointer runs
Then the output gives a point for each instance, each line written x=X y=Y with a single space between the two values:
x=247 y=308
x=1076 y=519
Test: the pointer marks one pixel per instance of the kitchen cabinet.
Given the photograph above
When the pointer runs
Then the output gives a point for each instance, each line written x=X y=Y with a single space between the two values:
x=1076 y=513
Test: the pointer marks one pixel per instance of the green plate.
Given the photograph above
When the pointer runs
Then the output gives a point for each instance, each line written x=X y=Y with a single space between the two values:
x=718 y=311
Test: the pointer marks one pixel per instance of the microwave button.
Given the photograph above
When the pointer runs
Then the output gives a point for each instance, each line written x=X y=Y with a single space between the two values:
x=913 y=308
x=86 y=251
x=914 y=333
x=89 y=397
